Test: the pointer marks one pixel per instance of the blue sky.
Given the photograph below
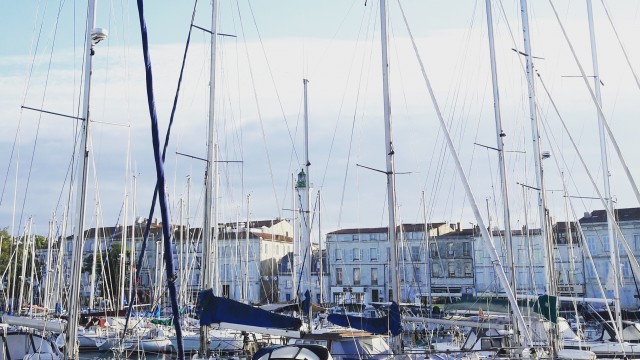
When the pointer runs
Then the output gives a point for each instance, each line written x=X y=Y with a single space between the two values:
x=335 y=45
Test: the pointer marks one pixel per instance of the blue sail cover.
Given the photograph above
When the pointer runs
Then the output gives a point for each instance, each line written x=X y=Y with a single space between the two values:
x=214 y=309
x=379 y=325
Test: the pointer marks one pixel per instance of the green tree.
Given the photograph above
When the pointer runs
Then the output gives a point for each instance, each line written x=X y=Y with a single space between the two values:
x=11 y=257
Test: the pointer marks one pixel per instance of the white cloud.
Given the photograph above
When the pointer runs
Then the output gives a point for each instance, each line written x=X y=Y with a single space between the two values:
x=344 y=85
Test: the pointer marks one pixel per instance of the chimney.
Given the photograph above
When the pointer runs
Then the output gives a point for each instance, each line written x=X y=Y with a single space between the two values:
x=587 y=214
x=459 y=227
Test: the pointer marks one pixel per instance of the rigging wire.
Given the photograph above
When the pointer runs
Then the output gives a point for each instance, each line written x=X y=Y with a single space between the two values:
x=355 y=112
x=255 y=96
x=622 y=47
x=342 y=101
x=275 y=88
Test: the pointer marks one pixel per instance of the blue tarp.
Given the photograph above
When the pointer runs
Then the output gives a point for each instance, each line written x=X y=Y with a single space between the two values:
x=214 y=309
x=389 y=324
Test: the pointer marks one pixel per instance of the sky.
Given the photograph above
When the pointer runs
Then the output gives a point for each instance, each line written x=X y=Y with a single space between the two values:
x=259 y=110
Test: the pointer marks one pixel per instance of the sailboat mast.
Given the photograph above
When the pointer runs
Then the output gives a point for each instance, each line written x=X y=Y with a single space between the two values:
x=500 y=146
x=428 y=256
x=246 y=254
x=206 y=270
x=542 y=196
x=94 y=260
x=306 y=211
x=391 y=177
x=23 y=267
x=48 y=272
x=73 y=303
x=615 y=252
x=321 y=265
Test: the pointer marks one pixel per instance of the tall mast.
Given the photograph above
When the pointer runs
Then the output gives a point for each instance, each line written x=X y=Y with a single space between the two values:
x=47 y=280
x=26 y=238
x=542 y=196
x=321 y=272
x=123 y=254
x=73 y=306
x=94 y=260
x=303 y=188
x=613 y=244
x=294 y=236
x=428 y=252
x=391 y=176
x=542 y=199
x=206 y=270
x=500 y=143
x=246 y=253
x=181 y=261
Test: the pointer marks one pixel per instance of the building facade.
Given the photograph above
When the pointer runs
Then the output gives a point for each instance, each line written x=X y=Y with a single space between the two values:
x=594 y=227
x=246 y=262
x=360 y=259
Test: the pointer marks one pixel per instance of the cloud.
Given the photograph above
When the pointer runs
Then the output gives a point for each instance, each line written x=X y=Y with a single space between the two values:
x=255 y=97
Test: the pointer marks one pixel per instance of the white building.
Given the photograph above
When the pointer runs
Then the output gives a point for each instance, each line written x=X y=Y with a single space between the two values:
x=360 y=259
x=249 y=269
x=246 y=269
x=594 y=226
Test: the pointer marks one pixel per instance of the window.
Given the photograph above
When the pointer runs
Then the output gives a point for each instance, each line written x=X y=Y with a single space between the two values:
x=226 y=272
x=604 y=270
x=355 y=237
x=374 y=276
x=356 y=276
x=466 y=249
x=373 y=254
x=435 y=270
x=289 y=284
x=415 y=253
x=479 y=258
x=433 y=249
x=452 y=269
x=373 y=237
x=338 y=276
x=416 y=274
x=338 y=254
x=591 y=243
x=356 y=254
x=450 y=250
x=626 y=270
x=605 y=243
x=288 y=296
x=468 y=269
x=636 y=241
